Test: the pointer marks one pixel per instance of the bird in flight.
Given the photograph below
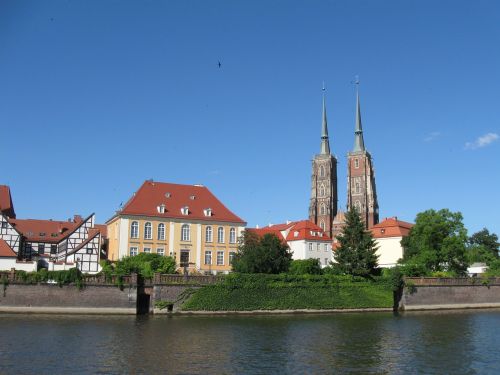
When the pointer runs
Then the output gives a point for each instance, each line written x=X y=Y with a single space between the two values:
x=219 y=63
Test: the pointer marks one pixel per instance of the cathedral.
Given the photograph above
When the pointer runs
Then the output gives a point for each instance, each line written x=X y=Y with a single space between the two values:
x=361 y=191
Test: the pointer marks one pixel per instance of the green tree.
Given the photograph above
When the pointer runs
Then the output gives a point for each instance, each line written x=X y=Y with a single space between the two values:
x=145 y=264
x=266 y=254
x=356 y=252
x=309 y=266
x=483 y=246
x=437 y=242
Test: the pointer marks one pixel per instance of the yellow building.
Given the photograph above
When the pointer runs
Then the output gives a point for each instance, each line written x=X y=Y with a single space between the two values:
x=184 y=221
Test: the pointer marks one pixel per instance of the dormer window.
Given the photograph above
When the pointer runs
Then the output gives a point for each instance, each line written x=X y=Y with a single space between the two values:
x=161 y=209
x=312 y=233
x=41 y=234
x=382 y=231
x=192 y=197
x=185 y=210
x=207 y=212
x=296 y=234
x=167 y=195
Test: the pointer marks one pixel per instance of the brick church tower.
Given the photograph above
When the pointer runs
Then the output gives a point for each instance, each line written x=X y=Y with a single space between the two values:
x=361 y=191
x=323 y=204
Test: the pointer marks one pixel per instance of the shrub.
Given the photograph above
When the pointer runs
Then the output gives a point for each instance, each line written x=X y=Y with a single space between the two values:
x=305 y=267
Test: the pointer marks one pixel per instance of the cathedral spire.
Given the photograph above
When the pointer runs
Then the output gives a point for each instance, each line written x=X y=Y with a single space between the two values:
x=325 y=144
x=359 y=143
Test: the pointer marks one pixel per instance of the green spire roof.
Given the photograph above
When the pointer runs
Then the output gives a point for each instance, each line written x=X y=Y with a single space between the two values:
x=359 y=143
x=325 y=144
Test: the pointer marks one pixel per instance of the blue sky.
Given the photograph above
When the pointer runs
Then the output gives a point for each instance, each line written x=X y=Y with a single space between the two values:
x=97 y=96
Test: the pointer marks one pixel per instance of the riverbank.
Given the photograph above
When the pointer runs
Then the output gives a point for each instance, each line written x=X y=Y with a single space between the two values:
x=268 y=293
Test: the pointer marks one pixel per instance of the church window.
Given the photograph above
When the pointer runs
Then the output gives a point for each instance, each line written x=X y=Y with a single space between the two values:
x=322 y=191
x=357 y=204
x=357 y=187
x=321 y=171
x=322 y=225
x=322 y=209
x=356 y=163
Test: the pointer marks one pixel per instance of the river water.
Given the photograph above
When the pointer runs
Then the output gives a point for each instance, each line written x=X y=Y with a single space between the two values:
x=465 y=342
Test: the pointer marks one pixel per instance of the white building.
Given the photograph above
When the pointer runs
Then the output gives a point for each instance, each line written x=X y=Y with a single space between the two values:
x=388 y=235
x=305 y=239
x=56 y=245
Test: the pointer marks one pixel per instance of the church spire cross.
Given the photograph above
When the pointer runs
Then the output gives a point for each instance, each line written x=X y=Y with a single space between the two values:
x=359 y=143
x=325 y=144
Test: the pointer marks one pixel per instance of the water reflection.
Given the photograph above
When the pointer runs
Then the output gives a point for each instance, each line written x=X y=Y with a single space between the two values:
x=450 y=342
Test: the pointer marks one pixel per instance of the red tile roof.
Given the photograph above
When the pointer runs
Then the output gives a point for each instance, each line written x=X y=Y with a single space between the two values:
x=197 y=198
x=43 y=230
x=6 y=205
x=5 y=250
x=103 y=228
x=295 y=231
x=391 y=227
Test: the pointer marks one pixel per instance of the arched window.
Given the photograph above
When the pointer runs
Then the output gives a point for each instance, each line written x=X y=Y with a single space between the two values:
x=322 y=209
x=208 y=234
x=322 y=190
x=232 y=235
x=185 y=233
x=321 y=171
x=322 y=225
x=220 y=235
x=148 y=234
x=161 y=231
x=357 y=205
x=134 y=230
x=357 y=187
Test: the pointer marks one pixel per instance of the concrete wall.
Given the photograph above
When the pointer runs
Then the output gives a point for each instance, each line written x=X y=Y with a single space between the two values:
x=51 y=298
x=171 y=293
x=450 y=297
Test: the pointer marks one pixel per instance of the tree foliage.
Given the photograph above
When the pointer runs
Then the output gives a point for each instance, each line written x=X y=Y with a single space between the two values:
x=437 y=242
x=309 y=266
x=356 y=252
x=266 y=254
x=483 y=246
x=145 y=264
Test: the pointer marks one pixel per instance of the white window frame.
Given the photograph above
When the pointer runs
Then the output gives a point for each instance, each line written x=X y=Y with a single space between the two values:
x=146 y=250
x=209 y=254
x=134 y=229
x=209 y=234
x=161 y=231
x=219 y=252
x=231 y=256
x=220 y=235
x=232 y=235
x=310 y=244
x=133 y=251
x=148 y=230
x=185 y=233
x=160 y=251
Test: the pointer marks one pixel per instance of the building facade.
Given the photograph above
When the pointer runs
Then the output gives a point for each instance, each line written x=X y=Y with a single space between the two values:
x=52 y=244
x=324 y=198
x=305 y=239
x=388 y=235
x=186 y=222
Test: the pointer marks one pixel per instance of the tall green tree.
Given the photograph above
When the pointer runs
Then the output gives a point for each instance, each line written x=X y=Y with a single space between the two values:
x=437 y=242
x=356 y=252
x=483 y=246
x=266 y=254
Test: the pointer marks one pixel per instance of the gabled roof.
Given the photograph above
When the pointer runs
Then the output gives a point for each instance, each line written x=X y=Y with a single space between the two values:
x=6 y=251
x=6 y=205
x=175 y=197
x=93 y=233
x=44 y=230
x=391 y=227
x=295 y=231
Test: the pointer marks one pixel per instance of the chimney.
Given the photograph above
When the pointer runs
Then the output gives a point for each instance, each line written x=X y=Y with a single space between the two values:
x=77 y=219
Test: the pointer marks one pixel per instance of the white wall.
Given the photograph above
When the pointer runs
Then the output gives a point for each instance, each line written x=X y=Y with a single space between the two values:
x=300 y=250
x=7 y=263
x=389 y=251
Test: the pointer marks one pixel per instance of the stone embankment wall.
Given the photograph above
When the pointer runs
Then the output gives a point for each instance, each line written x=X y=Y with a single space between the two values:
x=51 y=298
x=442 y=293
